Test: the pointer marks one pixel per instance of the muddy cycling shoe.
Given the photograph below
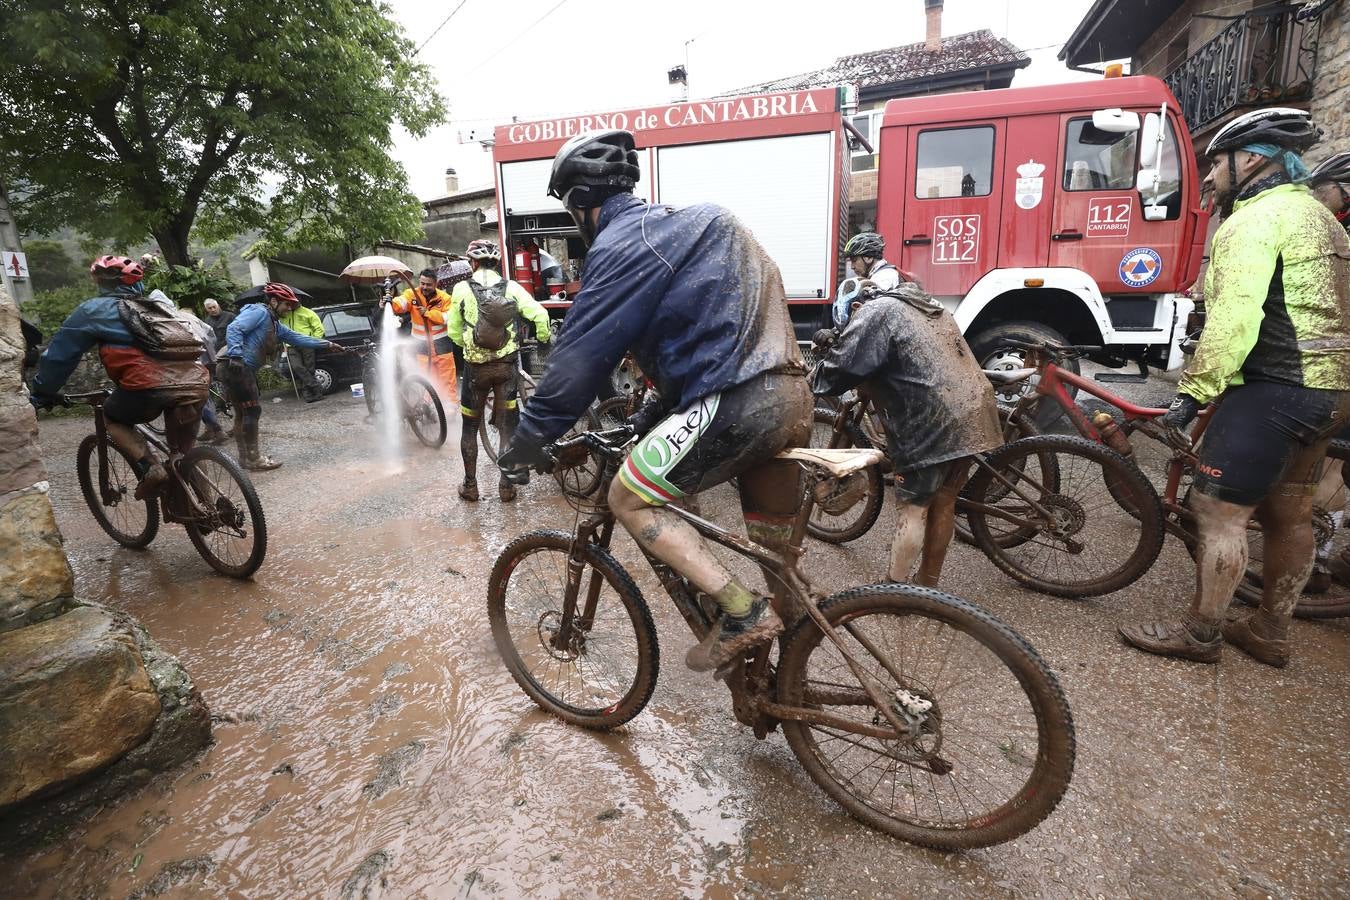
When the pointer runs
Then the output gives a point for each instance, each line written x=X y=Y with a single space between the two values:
x=152 y=482
x=734 y=635
x=1174 y=639
x=1256 y=636
x=506 y=492
x=259 y=462
x=469 y=491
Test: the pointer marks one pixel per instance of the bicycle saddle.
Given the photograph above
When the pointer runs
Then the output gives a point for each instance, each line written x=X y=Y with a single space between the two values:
x=1007 y=376
x=838 y=463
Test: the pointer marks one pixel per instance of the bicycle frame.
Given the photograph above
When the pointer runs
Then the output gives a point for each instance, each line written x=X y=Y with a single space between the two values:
x=748 y=679
x=1051 y=383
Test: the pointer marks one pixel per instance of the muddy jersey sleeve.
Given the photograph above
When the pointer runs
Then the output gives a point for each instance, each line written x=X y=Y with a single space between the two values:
x=1240 y=270
x=862 y=348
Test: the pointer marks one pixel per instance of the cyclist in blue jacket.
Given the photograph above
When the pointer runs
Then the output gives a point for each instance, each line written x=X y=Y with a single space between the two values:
x=250 y=341
x=694 y=297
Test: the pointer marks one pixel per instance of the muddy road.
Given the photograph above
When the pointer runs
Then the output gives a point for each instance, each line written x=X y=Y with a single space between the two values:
x=370 y=743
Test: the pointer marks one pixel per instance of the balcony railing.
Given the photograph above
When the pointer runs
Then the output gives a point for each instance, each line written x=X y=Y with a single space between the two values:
x=1263 y=57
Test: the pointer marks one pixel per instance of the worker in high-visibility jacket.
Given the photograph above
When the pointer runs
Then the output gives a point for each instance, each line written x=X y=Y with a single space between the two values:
x=428 y=306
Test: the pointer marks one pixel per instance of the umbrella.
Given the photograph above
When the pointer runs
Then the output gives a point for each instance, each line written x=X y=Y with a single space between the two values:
x=375 y=270
x=255 y=295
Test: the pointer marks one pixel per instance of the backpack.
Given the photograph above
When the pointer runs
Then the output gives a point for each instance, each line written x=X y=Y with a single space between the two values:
x=158 y=332
x=496 y=312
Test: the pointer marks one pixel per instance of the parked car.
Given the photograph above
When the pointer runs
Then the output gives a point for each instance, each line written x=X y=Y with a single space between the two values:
x=348 y=325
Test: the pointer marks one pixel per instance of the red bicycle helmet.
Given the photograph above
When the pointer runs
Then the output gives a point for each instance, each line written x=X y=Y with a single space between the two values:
x=275 y=290
x=122 y=268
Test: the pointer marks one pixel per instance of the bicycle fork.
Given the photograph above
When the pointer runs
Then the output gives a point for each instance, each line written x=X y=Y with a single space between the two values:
x=573 y=628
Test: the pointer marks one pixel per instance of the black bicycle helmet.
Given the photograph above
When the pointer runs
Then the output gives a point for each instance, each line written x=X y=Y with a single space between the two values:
x=1289 y=128
x=867 y=243
x=1335 y=167
x=595 y=159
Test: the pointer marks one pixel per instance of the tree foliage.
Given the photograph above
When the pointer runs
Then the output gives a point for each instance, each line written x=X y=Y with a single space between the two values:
x=132 y=117
x=51 y=266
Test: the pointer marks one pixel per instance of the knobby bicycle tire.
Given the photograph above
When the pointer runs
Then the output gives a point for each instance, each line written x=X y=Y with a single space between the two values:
x=858 y=519
x=434 y=436
x=1051 y=764
x=1142 y=537
x=86 y=464
x=252 y=506
x=621 y=585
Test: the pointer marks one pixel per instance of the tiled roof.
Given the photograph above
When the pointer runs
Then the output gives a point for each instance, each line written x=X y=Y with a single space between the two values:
x=975 y=50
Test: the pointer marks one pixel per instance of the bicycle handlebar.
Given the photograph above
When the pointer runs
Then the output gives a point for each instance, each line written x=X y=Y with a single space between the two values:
x=609 y=443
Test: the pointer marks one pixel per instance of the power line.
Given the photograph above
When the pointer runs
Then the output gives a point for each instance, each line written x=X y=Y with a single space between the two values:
x=444 y=22
x=519 y=35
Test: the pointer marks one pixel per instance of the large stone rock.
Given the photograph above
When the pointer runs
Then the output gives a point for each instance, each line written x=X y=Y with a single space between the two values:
x=74 y=698
x=35 y=580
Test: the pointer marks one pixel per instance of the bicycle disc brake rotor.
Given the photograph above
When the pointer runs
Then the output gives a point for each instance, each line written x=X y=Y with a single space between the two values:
x=550 y=627
x=1067 y=516
x=921 y=713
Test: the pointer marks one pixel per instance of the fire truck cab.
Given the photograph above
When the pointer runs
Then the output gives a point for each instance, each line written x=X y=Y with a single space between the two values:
x=1066 y=212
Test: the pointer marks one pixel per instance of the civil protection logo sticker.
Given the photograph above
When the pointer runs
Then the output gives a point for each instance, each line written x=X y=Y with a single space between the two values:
x=1140 y=267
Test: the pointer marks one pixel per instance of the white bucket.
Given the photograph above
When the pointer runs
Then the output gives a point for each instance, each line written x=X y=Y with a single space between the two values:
x=358 y=390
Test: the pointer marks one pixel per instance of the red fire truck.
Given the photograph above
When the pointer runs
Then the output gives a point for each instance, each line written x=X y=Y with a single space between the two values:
x=1067 y=212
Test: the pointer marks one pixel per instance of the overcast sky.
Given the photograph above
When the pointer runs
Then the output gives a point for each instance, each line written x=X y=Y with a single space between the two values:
x=537 y=59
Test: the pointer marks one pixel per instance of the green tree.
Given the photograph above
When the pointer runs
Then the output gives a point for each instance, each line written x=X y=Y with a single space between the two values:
x=51 y=266
x=128 y=118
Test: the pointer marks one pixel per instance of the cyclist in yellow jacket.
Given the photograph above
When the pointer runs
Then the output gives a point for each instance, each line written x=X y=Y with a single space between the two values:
x=482 y=317
x=1275 y=353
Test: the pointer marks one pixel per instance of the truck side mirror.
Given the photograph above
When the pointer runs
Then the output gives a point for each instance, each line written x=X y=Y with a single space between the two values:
x=1148 y=143
x=1115 y=121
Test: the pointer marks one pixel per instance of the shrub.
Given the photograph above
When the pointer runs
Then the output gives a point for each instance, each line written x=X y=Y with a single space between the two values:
x=51 y=307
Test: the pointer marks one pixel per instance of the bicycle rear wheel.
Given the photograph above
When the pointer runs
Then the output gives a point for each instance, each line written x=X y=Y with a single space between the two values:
x=132 y=523
x=233 y=539
x=986 y=762
x=853 y=504
x=1070 y=538
x=422 y=410
x=600 y=673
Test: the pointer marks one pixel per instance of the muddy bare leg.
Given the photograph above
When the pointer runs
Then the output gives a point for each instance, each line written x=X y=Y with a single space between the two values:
x=941 y=525
x=911 y=520
x=1221 y=558
x=468 y=451
x=673 y=541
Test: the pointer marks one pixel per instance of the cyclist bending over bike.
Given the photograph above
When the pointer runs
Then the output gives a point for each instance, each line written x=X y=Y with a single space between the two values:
x=936 y=406
x=701 y=306
x=173 y=384
x=1275 y=353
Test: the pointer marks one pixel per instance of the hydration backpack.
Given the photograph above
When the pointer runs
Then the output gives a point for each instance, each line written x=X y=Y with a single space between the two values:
x=496 y=313
x=158 y=332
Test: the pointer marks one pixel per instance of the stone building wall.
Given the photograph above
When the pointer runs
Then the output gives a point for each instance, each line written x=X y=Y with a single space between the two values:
x=1331 y=92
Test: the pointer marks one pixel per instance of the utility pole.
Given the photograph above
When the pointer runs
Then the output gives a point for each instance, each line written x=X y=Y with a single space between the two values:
x=21 y=289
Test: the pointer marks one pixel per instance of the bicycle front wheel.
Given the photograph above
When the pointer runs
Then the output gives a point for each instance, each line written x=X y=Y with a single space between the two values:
x=990 y=749
x=422 y=410
x=232 y=537
x=596 y=670
x=1072 y=538
x=132 y=523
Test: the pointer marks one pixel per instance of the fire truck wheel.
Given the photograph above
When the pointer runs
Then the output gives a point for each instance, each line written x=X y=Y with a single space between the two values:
x=991 y=349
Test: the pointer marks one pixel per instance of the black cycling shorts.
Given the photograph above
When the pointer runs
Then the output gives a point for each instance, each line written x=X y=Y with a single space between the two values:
x=139 y=407
x=482 y=380
x=1264 y=434
x=919 y=486
x=719 y=437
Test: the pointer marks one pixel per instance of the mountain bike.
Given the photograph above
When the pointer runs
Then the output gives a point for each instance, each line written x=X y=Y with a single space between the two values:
x=921 y=714
x=1103 y=427
x=1059 y=514
x=419 y=404
x=208 y=494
